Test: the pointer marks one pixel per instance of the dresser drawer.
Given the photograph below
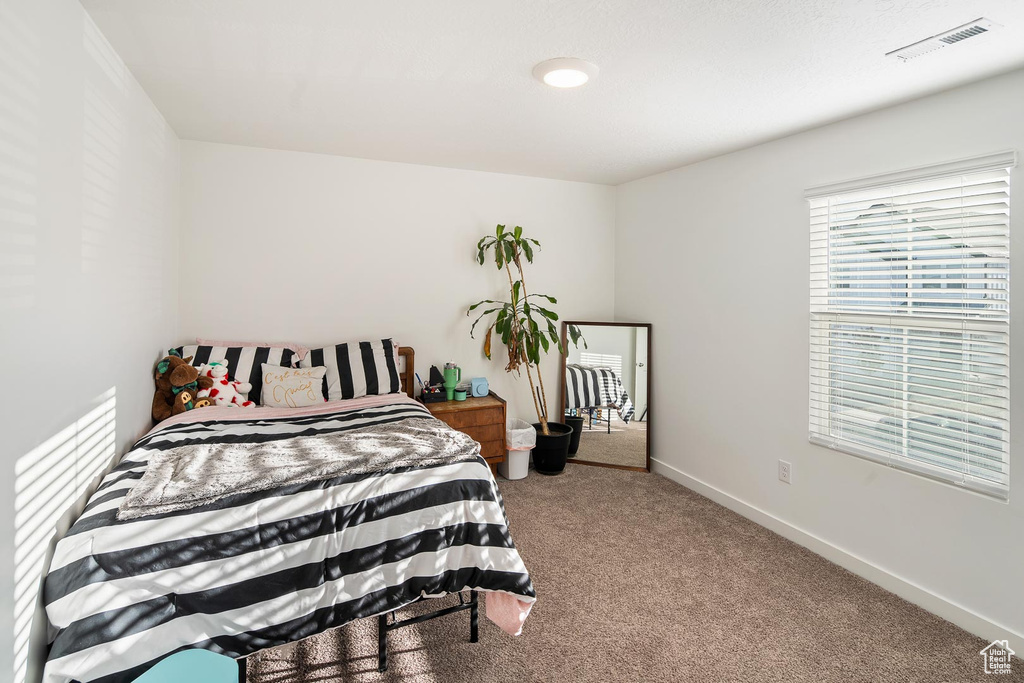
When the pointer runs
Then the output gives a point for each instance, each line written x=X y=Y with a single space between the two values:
x=474 y=418
x=481 y=418
x=492 y=449
x=491 y=432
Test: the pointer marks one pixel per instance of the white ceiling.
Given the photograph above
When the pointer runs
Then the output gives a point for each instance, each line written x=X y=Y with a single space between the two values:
x=449 y=84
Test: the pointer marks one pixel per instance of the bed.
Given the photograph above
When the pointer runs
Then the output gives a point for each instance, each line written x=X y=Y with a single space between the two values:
x=258 y=569
x=591 y=388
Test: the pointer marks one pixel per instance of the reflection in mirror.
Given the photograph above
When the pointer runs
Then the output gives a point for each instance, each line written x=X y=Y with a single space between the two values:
x=605 y=394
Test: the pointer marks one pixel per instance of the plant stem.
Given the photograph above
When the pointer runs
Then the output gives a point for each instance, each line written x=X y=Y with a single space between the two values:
x=544 y=398
x=542 y=414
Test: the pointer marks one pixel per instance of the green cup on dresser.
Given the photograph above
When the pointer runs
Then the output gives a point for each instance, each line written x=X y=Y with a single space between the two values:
x=452 y=376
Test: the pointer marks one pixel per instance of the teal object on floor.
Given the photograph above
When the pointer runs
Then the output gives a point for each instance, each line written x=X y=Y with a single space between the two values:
x=193 y=666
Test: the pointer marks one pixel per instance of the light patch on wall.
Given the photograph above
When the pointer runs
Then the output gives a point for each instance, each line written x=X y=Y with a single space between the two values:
x=142 y=262
x=50 y=485
x=104 y=55
x=19 y=140
x=103 y=133
x=102 y=129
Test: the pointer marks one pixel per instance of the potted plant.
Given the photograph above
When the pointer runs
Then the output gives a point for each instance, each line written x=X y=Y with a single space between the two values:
x=576 y=423
x=526 y=328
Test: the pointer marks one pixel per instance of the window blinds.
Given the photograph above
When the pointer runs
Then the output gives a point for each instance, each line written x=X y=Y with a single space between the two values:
x=910 y=321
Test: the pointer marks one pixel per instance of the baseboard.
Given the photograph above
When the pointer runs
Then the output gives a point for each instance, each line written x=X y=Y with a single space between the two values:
x=908 y=590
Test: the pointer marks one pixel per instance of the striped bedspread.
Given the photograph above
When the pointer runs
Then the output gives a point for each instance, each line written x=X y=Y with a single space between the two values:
x=257 y=570
x=587 y=387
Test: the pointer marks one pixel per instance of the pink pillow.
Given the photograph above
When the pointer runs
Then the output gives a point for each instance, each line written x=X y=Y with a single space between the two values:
x=300 y=351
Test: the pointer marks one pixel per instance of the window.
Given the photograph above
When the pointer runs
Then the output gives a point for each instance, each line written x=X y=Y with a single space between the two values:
x=910 y=320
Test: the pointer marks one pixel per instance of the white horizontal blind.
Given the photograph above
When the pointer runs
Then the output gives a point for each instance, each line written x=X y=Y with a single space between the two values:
x=602 y=360
x=910 y=323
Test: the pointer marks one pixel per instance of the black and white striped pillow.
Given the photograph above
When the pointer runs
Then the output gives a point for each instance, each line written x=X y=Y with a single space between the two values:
x=245 y=363
x=356 y=369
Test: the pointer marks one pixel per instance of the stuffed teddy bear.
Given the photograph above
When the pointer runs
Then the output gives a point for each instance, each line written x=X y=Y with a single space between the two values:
x=177 y=387
x=224 y=392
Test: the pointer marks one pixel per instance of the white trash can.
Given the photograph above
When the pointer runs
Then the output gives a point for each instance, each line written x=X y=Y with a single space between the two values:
x=516 y=465
x=520 y=437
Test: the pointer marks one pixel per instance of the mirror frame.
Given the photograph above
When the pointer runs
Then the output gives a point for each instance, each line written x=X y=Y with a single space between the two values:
x=561 y=387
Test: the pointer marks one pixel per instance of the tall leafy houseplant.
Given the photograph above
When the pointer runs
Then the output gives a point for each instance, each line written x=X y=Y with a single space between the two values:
x=524 y=323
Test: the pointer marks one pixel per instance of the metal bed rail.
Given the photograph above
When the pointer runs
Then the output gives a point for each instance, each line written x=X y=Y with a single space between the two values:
x=384 y=626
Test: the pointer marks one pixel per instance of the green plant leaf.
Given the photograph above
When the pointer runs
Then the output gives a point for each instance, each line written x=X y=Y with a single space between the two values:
x=518 y=232
x=480 y=303
x=527 y=249
x=575 y=335
x=550 y=315
x=544 y=343
x=499 y=230
x=473 y=327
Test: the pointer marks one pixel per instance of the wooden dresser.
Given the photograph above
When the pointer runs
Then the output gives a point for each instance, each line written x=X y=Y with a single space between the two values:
x=481 y=418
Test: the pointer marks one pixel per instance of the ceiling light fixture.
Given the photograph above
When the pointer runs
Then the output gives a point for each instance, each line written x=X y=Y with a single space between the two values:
x=565 y=72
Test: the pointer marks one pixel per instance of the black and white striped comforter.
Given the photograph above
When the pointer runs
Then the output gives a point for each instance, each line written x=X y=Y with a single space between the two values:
x=258 y=570
x=587 y=387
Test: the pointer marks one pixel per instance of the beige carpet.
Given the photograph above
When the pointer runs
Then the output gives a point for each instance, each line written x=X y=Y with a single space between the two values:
x=640 y=579
x=626 y=445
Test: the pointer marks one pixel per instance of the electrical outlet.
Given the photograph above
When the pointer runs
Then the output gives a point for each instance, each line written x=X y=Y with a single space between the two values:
x=785 y=472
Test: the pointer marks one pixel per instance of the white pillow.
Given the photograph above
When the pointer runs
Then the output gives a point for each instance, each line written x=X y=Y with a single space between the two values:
x=292 y=387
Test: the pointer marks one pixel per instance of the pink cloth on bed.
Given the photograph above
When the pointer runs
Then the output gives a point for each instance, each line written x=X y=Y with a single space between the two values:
x=507 y=611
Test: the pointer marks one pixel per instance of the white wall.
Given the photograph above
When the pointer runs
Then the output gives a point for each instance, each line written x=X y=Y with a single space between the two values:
x=716 y=256
x=88 y=291
x=327 y=249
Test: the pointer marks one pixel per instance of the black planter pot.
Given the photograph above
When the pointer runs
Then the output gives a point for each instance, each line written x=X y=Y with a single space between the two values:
x=551 y=451
x=577 y=428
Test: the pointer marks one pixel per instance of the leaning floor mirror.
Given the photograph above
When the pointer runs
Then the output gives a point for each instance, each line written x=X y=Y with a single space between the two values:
x=605 y=394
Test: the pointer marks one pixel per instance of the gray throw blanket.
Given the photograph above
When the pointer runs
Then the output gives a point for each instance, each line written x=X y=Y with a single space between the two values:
x=188 y=476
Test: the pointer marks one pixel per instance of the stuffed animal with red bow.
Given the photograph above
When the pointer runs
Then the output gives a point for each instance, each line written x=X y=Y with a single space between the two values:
x=224 y=391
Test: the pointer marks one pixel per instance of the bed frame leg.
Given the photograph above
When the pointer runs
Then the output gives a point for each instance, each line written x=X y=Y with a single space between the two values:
x=242 y=670
x=474 y=618
x=383 y=626
x=382 y=643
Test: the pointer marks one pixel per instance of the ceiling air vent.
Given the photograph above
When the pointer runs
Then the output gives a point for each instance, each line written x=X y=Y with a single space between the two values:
x=955 y=35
